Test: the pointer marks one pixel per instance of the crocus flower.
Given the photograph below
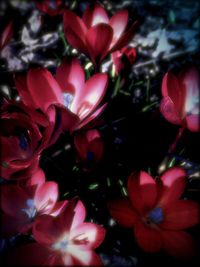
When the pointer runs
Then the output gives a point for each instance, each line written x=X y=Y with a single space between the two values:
x=23 y=204
x=180 y=103
x=65 y=240
x=156 y=214
x=24 y=134
x=77 y=99
x=6 y=35
x=89 y=145
x=51 y=7
x=95 y=34
x=123 y=56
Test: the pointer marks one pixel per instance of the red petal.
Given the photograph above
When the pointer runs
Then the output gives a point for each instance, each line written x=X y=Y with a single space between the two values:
x=122 y=211
x=142 y=191
x=149 y=239
x=38 y=178
x=43 y=89
x=70 y=72
x=95 y=14
x=181 y=214
x=169 y=111
x=193 y=122
x=58 y=208
x=87 y=236
x=98 y=46
x=69 y=120
x=45 y=197
x=6 y=35
x=118 y=22
x=178 y=243
x=13 y=200
x=92 y=94
x=173 y=185
x=75 y=31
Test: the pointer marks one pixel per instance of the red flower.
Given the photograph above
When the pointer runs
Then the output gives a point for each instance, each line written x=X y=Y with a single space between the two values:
x=51 y=7
x=24 y=134
x=89 y=145
x=65 y=240
x=155 y=213
x=180 y=103
x=121 y=57
x=6 y=35
x=76 y=98
x=23 y=204
x=95 y=34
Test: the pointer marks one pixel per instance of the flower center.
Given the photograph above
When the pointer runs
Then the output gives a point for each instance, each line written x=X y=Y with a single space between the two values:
x=156 y=216
x=30 y=211
x=23 y=142
x=67 y=100
x=61 y=245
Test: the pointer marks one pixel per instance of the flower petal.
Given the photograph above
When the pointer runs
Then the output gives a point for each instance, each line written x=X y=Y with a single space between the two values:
x=142 y=191
x=38 y=178
x=173 y=185
x=98 y=46
x=43 y=89
x=45 y=197
x=169 y=111
x=193 y=122
x=118 y=22
x=95 y=14
x=80 y=214
x=149 y=239
x=122 y=211
x=6 y=35
x=75 y=31
x=178 y=243
x=181 y=214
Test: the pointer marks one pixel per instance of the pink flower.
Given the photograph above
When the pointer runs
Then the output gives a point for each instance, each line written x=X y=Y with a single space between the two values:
x=51 y=7
x=6 y=35
x=180 y=103
x=23 y=204
x=95 y=34
x=123 y=56
x=156 y=215
x=77 y=99
x=65 y=240
x=24 y=134
x=89 y=145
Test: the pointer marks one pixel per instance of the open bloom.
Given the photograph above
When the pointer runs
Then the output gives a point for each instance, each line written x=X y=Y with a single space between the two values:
x=180 y=103
x=24 y=134
x=6 y=35
x=65 y=240
x=156 y=215
x=23 y=204
x=95 y=34
x=51 y=7
x=89 y=145
x=77 y=99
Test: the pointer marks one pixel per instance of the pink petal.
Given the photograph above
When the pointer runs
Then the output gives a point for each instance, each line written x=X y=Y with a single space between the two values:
x=173 y=185
x=82 y=257
x=43 y=88
x=87 y=236
x=70 y=72
x=193 y=122
x=142 y=191
x=98 y=46
x=178 y=243
x=92 y=94
x=80 y=214
x=169 y=111
x=149 y=239
x=45 y=197
x=118 y=22
x=6 y=35
x=75 y=31
x=122 y=211
x=13 y=199
x=181 y=214
x=38 y=178
x=95 y=14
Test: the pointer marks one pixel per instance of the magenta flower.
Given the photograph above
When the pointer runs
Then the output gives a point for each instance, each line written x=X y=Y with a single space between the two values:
x=24 y=134
x=23 y=204
x=77 y=99
x=6 y=35
x=51 y=7
x=180 y=103
x=65 y=240
x=155 y=213
x=86 y=34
